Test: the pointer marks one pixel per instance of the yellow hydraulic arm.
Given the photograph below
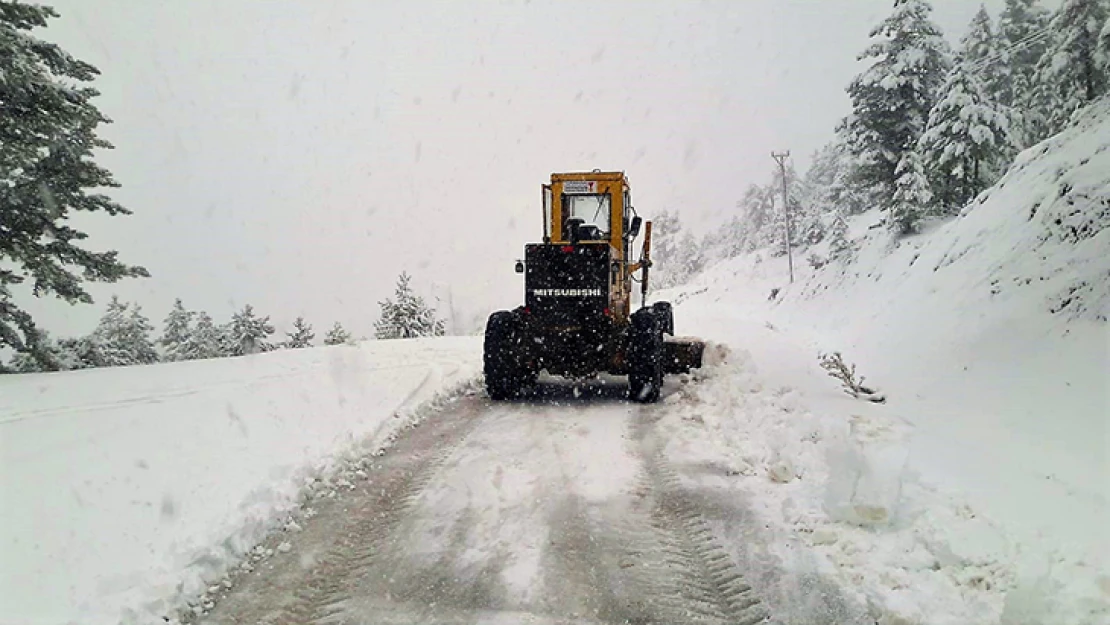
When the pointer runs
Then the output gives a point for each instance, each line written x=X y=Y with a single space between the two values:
x=645 y=264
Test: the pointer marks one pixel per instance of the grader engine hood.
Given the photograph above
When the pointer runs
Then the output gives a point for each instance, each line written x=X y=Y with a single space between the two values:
x=565 y=283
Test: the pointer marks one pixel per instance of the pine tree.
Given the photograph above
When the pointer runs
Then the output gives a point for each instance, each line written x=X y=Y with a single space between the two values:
x=81 y=353
x=1104 y=48
x=841 y=192
x=337 y=335
x=123 y=336
x=205 y=341
x=912 y=197
x=47 y=356
x=840 y=247
x=247 y=333
x=982 y=50
x=892 y=98
x=406 y=316
x=755 y=229
x=1068 y=76
x=665 y=231
x=301 y=336
x=176 y=331
x=1021 y=27
x=966 y=143
x=47 y=143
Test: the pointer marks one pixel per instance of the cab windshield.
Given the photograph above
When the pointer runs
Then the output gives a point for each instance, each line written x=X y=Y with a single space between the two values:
x=592 y=209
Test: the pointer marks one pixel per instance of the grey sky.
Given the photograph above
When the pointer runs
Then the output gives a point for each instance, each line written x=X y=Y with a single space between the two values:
x=296 y=155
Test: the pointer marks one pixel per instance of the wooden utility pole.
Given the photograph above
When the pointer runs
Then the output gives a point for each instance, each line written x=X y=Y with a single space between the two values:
x=780 y=158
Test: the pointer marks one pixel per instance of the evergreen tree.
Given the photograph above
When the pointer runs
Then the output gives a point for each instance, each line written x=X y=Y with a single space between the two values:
x=301 y=336
x=981 y=49
x=892 y=98
x=912 y=197
x=777 y=233
x=205 y=341
x=1021 y=28
x=688 y=261
x=1104 y=49
x=1069 y=75
x=45 y=356
x=247 y=333
x=123 y=336
x=666 y=228
x=337 y=335
x=47 y=143
x=176 y=331
x=966 y=143
x=755 y=228
x=406 y=316
x=81 y=353
x=840 y=247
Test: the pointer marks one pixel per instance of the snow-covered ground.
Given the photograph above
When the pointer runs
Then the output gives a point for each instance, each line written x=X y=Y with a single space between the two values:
x=980 y=490
x=976 y=494
x=124 y=489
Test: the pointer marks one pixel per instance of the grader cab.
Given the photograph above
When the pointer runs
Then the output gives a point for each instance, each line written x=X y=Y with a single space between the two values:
x=578 y=319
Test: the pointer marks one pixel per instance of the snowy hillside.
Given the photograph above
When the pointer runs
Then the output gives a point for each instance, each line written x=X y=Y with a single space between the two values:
x=988 y=334
x=125 y=488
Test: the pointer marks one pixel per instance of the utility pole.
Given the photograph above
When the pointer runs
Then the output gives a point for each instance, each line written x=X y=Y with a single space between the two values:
x=780 y=158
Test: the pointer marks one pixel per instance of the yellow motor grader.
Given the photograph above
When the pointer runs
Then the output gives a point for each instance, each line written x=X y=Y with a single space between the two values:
x=577 y=319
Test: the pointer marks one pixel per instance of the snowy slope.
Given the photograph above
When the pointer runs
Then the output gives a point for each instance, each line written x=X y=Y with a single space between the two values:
x=988 y=334
x=123 y=489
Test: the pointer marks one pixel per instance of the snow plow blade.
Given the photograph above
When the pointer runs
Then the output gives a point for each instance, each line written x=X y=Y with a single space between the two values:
x=681 y=354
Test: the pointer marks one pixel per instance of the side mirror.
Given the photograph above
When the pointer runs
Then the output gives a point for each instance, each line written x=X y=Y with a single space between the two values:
x=634 y=229
x=520 y=266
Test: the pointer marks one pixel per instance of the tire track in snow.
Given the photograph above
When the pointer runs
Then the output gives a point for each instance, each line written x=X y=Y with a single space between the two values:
x=348 y=532
x=701 y=583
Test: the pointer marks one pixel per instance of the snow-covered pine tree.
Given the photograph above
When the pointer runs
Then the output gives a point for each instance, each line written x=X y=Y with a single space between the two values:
x=892 y=98
x=1104 y=48
x=176 y=330
x=912 y=197
x=982 y=52
x=46 y=357
x=81 y=353
x=337 y=335
x=688 y=260
x=123 y=336
x=841 y=191
x=1068 y=75
x=755 y=228
x=406 y=316
x=840 y=246
x=205 y=341
x=301 y=336
x=776 y=233
x=966 y=143
x=1021 y=28
x=247 y=333
x=47 y=142
x=666 y=228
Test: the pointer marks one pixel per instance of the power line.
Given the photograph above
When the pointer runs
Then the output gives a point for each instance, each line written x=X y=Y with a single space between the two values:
x=1021 y=44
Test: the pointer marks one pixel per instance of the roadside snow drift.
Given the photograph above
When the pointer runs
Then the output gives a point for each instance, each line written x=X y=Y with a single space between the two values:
x=124 y=489
x=988 y=335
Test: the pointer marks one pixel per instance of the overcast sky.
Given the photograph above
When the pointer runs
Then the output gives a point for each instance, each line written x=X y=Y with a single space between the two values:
x=297 y=155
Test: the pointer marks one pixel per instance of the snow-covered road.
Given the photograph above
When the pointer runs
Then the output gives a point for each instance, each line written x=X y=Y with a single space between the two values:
x=558 y=508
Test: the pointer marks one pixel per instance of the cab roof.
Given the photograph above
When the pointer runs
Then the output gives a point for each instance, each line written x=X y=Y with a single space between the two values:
x=608 y=176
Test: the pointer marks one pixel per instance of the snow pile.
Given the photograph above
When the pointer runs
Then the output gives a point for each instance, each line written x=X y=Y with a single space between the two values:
x=126 y=489
x=988 y=336
x=835 y=497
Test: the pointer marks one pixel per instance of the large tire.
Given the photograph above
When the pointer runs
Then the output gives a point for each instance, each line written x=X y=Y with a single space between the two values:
x=502 y=357
x=645 y=356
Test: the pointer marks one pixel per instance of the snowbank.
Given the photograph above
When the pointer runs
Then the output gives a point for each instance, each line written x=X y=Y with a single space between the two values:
x=989 y=336
x=124 y=489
